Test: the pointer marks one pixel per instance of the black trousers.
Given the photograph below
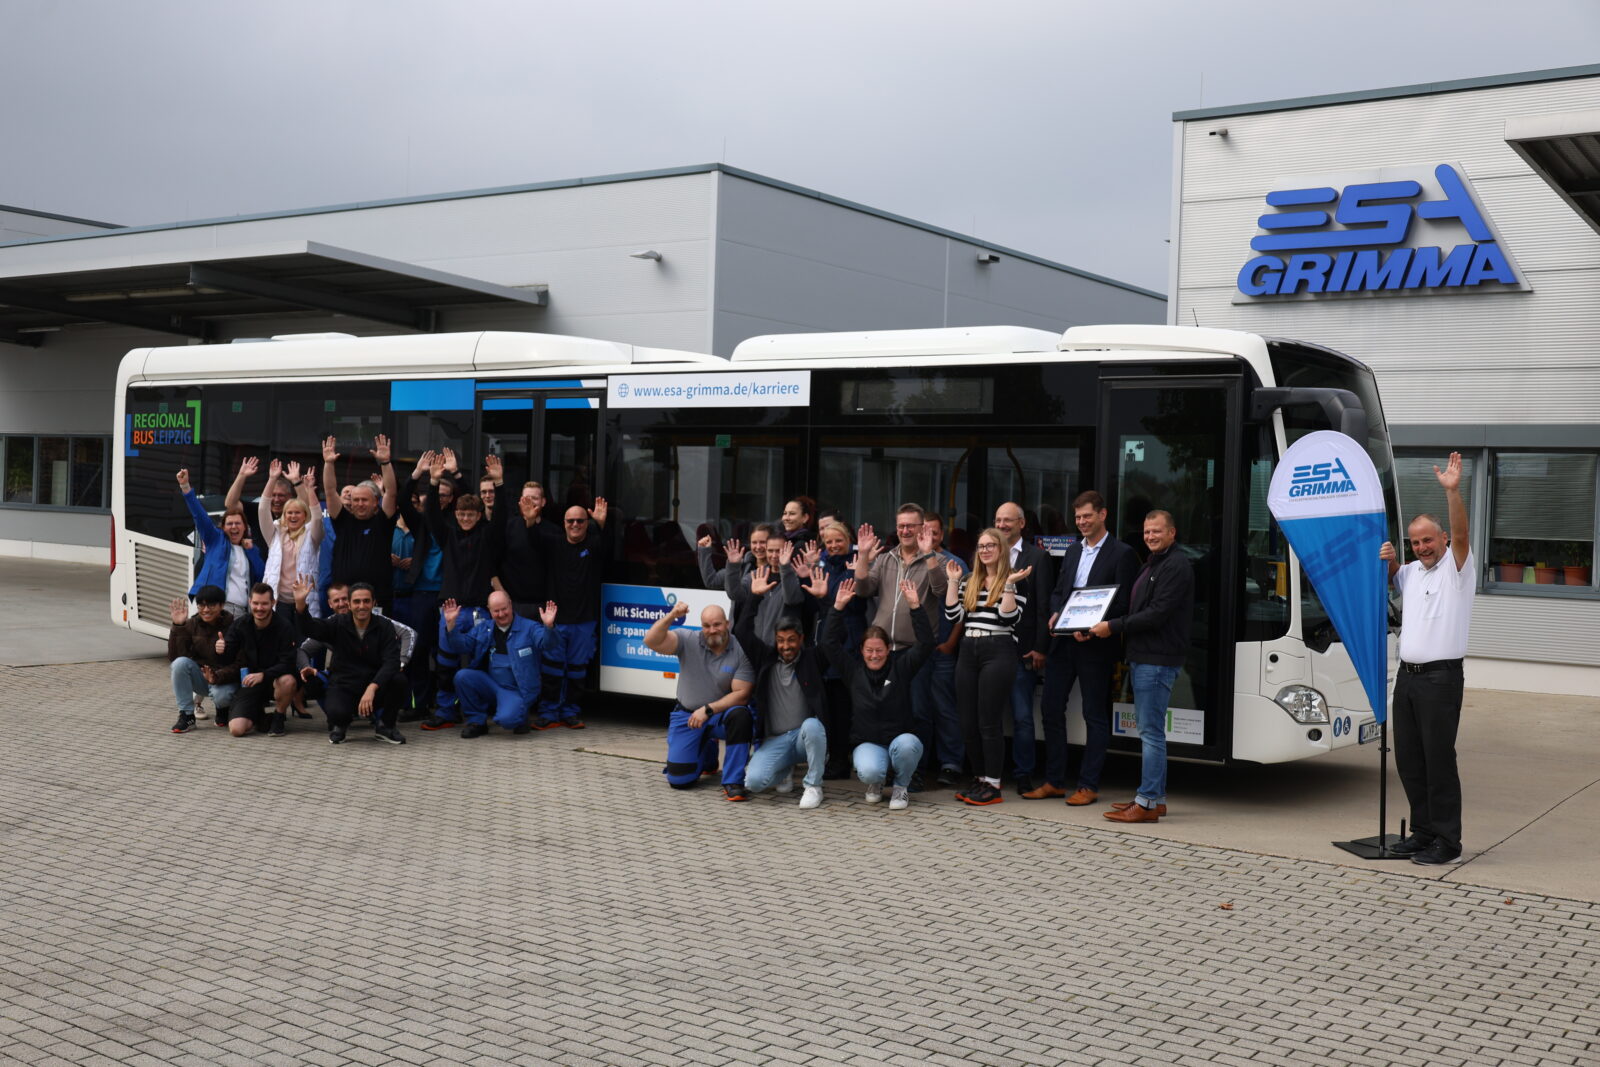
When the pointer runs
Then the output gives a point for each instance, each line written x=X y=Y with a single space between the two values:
x=1090 y=664
x=985 y=669
x=342 y=701
x=836 y=721
x=1427 y=714
x=253 y=702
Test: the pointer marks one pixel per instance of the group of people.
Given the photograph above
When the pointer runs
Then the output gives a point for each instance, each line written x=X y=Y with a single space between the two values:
x=901 y=665
x=374 y=599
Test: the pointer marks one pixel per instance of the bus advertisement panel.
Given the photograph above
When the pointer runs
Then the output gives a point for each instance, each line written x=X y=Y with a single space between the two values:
x=626 y=612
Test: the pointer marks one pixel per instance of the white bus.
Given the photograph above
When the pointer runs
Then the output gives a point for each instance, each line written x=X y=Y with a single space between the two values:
x=682 y=444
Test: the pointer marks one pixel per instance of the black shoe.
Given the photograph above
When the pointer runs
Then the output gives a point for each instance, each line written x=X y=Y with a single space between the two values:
x=735 y=793
x=301 y=714
x=916 y=785
x=336 y=735
x=981 y=794
x=1024 y=784
x=949 y=778
x=388 y=733
x=1437 y=854
x=275 y=725
x=474 y=729
x=222 y=719
x=523 y=729
x=1410 y=846
x=184 y=724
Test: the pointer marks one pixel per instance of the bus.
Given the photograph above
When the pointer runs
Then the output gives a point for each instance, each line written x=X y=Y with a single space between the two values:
x=684 y=444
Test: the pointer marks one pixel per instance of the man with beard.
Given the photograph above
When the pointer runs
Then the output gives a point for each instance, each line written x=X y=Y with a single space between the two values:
x=363 y=529
x=261 y=647
x=365 y=676
x=715 y=679
x=789 y=695
x=509 y=646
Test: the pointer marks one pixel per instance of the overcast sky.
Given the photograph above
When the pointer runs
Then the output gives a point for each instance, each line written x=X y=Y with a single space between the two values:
x=1045 y=126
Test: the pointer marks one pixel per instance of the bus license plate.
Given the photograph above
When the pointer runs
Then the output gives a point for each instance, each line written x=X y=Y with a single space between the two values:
x=1369 y=732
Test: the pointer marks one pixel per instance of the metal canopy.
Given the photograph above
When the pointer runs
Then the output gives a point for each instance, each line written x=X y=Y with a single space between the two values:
x=1564 y=150
x=189 y=295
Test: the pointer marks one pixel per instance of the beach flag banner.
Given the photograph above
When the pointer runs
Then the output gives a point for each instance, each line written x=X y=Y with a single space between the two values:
x=1327 y=499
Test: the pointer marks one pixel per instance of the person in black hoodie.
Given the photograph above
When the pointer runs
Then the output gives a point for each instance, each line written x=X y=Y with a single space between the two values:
x=788 y=699
x=472 y=545
x=1156 y=628
x=881 y=722
x=365 y=676
x=261 y=645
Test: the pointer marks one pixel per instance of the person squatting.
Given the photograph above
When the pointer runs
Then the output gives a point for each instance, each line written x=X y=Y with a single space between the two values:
x=375 y=599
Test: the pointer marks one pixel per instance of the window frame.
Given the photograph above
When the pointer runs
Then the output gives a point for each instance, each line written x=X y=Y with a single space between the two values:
x=1483 y=531
x=72 y=439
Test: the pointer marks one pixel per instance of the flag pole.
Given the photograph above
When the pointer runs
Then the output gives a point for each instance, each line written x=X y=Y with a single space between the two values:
x=1377 y=848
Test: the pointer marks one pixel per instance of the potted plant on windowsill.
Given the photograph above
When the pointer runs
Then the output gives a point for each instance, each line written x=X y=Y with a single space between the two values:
x=1576 y=561
x=1510 y=572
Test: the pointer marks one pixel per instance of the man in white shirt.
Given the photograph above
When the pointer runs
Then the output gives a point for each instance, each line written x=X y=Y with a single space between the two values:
x=1437 y=588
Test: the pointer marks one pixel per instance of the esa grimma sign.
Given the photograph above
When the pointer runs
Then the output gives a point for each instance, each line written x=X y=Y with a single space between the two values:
x=1412 y=231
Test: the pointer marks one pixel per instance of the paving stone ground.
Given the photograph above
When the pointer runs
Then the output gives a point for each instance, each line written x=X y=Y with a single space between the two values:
x=514 y=900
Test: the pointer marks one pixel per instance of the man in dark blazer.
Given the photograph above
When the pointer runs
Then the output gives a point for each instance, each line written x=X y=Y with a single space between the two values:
x=1032 y=631
x=1097 y=559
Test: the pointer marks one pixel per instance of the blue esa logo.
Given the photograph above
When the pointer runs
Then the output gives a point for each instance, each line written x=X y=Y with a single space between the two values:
x=1320 y=479
x=1367 y=237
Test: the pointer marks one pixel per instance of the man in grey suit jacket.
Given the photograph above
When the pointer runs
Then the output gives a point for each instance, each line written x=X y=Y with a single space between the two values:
x=1032 y=631
x=1097 y=559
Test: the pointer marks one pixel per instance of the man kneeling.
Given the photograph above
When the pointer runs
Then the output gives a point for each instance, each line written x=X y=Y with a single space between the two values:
x=510 y=682
x=365 y=677
x=789 y=693
x=714 y=683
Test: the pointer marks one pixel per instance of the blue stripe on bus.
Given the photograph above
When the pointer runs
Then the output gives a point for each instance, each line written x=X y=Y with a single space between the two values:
x=508 y=403
x=542 y=383
x=569 y=402
x=439 y=394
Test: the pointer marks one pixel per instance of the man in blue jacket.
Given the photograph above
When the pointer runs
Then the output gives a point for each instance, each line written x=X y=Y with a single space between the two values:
x=509 y=679
x=231 y=561
x=1097 y=559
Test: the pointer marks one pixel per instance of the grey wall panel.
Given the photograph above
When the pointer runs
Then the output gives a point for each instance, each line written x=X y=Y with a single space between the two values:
x=55 y=527
x=1541 y=629
x=65 y=387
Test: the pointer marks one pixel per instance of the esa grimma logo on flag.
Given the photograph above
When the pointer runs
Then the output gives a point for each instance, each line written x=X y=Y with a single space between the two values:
x=1320 y=479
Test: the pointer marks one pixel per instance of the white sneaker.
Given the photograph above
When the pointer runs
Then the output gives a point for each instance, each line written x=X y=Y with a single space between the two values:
x=811 y=797
x=898 y=799
x=786 y=785
x=874 y=794
x=200 y=711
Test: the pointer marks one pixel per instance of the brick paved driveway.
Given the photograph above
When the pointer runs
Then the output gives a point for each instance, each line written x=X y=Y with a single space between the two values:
x=198 y=900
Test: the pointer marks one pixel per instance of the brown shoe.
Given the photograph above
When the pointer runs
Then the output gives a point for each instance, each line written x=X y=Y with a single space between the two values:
x=1134 y=813
x=1044 y=792
x=1124 y=805
x=1083 y=796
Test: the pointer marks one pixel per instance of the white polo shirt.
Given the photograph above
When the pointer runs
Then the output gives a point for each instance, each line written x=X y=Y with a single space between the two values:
x=1437 y=609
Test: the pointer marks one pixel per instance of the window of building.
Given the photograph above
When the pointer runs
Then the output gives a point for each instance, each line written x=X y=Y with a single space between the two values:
x=54 y=472
x=1542 y=520
x=1419 y=487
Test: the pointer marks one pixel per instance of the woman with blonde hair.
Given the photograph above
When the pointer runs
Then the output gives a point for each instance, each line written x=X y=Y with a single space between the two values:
x=294 y=541
x=986 y=602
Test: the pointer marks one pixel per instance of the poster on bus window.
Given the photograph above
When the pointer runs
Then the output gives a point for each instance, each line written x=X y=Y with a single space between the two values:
x=626 y=612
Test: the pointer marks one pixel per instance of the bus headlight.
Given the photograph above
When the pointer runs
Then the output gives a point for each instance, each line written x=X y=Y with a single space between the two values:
x=1303 y=703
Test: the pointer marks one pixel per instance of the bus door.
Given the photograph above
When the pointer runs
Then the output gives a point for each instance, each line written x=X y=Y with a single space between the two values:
x=1173 y=444
x=546 y=435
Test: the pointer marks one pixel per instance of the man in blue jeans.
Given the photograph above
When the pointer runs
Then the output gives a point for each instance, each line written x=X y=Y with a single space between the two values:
x=1156 y=630
x=789 y=696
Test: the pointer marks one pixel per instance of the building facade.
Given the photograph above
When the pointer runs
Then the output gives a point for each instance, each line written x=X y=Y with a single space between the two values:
x=697 y=258
x=1448 y=235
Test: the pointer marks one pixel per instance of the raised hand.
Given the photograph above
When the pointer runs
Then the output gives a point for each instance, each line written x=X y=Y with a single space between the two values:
x=450 y=460
x=1386 y=553
x=952 y=571
x=909 y=591
x=424 y=465
x=1017 y=577
x=761 y=581
x=735 y=549
x=495 y=468
x=180 y=611
x=222 y=644
x=293 y=471
x=528 y=509
x=308 y=477
x=330 y=450
x=1450 y=477
x=249 y=466
x=924 y=540
x=863 y=534
x=847 y=592
x=871 y=548
x=380 y=449
x=679 y=612
x=547 y=614
x=600 y=510
x=812 y=555
x=818 y=586
x=275 y=471
x=785 y=553
x=450 y=609
x=436 y=467
x=183 y=480
x=304 y=585
x=704 y=542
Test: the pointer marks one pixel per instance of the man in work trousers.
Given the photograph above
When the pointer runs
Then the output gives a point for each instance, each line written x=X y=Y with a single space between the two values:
x=1437 y=588
x=715 y=679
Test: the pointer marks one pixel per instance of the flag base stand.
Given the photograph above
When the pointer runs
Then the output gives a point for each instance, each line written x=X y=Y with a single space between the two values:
x=1372 y=848
x=1378 y=848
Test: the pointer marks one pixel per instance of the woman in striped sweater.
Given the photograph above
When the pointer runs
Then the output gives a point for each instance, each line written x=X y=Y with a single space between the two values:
x=987 y=604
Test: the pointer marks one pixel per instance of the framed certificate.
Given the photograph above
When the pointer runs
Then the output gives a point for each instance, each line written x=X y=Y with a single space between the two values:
x=1084 y=608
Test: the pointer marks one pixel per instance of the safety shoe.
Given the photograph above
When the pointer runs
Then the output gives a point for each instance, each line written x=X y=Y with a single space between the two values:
x=811 y=797
x=545 y=724
x=184 y=724
x=573 y=723
x=981 y=794
x=735 y=793
x=473 y=729
x=385 y=732
x=438 y=723
x=523 y=728
x=898 y=800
